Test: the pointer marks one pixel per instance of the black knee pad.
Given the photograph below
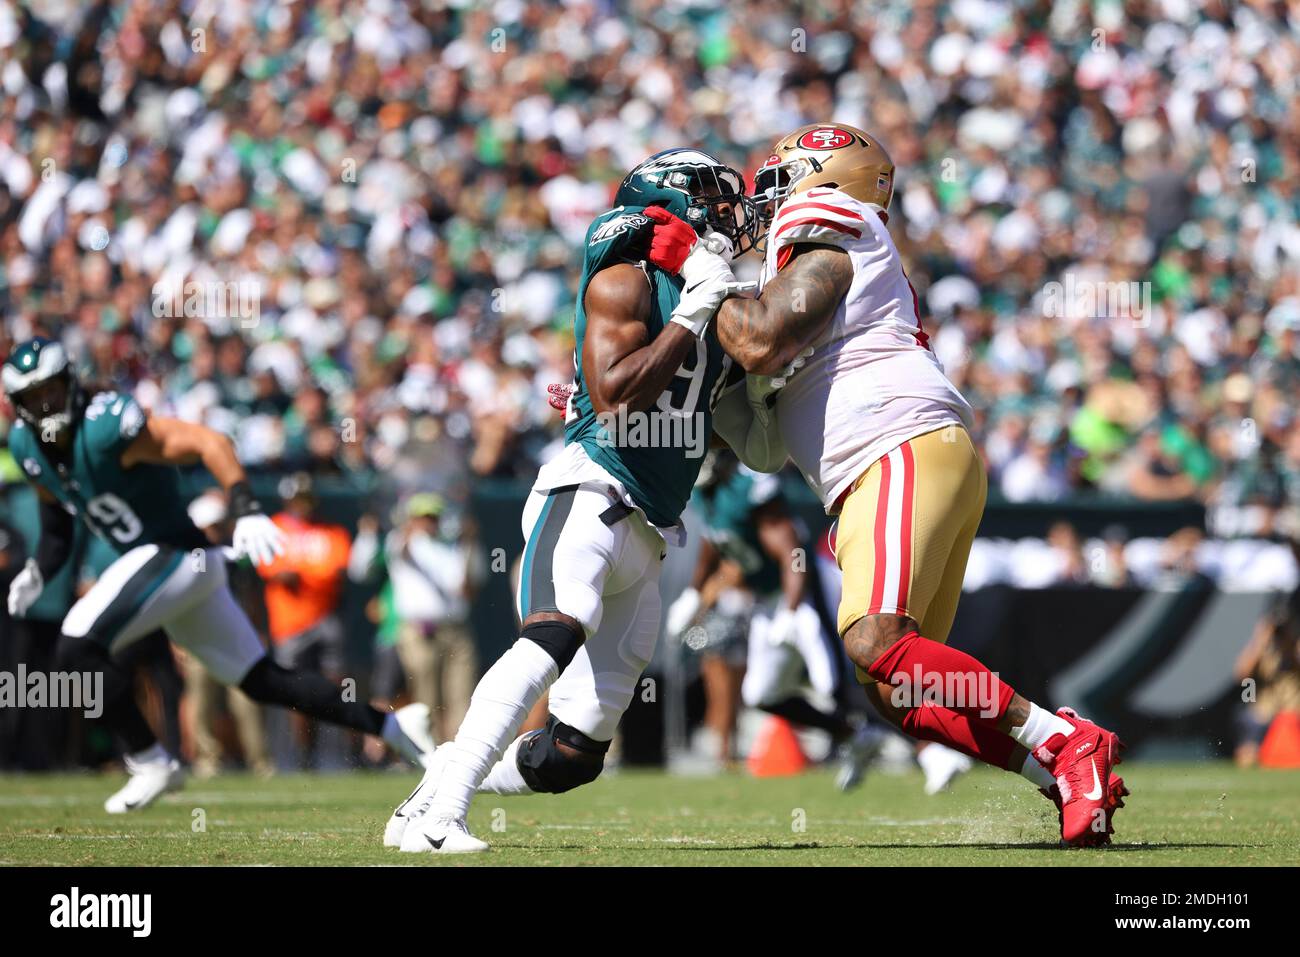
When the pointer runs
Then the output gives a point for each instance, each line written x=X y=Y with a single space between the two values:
x=549 y=770
x=555 y=638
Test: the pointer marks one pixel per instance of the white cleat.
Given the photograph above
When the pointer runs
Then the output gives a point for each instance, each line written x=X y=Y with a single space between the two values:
x=413 y=808
x=942 y=765
x=856 y=753
x=440 y=835
x=149 y=781
x=406 y=731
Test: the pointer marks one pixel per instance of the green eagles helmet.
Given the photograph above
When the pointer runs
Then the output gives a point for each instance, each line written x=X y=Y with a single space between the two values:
x=40 y=382
x=697 y=188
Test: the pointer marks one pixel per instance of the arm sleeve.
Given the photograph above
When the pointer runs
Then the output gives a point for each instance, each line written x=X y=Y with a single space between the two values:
x=55 y=544
x=756 y=445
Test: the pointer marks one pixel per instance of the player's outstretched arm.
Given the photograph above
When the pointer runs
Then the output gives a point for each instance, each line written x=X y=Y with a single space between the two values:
x=621 y=364
x=173 y=442
x=766 y=334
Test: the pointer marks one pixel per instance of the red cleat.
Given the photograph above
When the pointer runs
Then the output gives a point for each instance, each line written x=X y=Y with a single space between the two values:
x=1118 y=792
x=1080 y=762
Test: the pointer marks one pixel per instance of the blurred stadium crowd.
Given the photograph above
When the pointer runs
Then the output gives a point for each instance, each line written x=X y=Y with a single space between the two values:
x=348 y=234
x=407 y=184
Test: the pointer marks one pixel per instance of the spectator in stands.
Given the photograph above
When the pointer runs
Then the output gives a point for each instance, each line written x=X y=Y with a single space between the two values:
x=1107 y=564
x=303 y=589
x=409 y=232
x=1268 y=669
x=434 y=571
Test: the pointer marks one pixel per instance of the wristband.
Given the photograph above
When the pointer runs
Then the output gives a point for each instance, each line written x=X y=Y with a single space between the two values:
x=242 y=500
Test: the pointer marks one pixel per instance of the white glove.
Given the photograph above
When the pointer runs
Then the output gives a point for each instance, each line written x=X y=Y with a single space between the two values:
x=783 y=628
x=25 y=589
x=259 y=538
x=682 y=612
x=706 y=280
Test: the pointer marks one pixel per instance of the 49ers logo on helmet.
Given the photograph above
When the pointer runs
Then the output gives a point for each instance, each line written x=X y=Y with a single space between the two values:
x=826 y=138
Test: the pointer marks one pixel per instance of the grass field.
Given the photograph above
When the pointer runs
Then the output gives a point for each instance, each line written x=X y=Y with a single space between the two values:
x=1178 y=815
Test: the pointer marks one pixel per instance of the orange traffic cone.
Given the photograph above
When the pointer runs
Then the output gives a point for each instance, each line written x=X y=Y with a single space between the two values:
x=776 y=751
x=1281 y=745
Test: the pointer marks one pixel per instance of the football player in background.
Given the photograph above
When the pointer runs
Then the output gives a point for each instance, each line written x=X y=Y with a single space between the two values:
x=749 y=523
x=97 y=456
x=842 y=375
x=648 y=371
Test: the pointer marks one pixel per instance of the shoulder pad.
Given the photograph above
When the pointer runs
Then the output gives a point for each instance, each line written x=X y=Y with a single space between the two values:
x=824 y=216
x=619 y=235
x=112 y=420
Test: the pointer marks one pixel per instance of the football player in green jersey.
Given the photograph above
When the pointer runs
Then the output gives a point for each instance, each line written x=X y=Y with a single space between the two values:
x=100 y=458
x=789 y=639
x=648 y=374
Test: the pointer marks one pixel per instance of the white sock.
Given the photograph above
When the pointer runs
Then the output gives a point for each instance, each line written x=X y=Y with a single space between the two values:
x=154 y=754
x=1036 y=773
x=504 y=778
x=1040 y=726
x=500 y=703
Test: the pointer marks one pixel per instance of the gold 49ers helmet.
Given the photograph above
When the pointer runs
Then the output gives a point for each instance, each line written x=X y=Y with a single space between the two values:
x=829 y=155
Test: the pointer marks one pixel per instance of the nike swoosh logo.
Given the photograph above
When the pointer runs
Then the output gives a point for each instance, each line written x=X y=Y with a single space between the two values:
x=1095 y=793
x=437 y=845
x=695 y=287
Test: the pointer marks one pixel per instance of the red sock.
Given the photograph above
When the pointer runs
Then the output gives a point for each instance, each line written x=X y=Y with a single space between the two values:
x=920 y=671
x=936 y=723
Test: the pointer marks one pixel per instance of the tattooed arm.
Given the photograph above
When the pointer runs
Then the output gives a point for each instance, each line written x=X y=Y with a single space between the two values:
x=766 y=334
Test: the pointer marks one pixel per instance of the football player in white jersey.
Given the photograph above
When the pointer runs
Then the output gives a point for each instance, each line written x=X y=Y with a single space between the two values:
x=841 y=376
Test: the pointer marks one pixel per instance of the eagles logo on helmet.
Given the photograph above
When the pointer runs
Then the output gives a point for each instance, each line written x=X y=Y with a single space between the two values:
x=696 y=187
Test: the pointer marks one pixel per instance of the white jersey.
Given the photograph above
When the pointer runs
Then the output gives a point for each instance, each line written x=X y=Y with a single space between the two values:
x=872 y=381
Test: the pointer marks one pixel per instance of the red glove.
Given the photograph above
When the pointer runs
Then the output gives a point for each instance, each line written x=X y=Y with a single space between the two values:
x=558 y=395
x=672 y=240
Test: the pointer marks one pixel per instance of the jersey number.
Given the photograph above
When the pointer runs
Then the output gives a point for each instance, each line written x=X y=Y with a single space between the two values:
x=115 y=517
x=683 y=392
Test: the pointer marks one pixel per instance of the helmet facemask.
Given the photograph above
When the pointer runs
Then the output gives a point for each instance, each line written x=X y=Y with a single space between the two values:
x=773 y=185
x=717 y=202
x=47 y=406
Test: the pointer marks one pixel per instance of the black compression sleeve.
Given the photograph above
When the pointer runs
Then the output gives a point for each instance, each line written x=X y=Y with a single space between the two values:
x=242 y=500
x=55 y=544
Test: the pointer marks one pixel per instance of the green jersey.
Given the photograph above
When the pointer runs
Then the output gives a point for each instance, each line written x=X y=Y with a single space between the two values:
x=125 y=508
x=656 y=454
x=728 y=511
